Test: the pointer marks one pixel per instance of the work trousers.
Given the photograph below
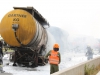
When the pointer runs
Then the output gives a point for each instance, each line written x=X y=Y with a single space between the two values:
x=1 y=63
x=53 y=68
x=89 y=57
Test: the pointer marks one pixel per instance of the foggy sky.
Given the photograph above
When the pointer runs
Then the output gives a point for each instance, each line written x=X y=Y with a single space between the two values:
x=77 y=17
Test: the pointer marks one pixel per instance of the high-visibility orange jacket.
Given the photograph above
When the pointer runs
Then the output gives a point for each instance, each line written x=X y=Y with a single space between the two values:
x=54 y=58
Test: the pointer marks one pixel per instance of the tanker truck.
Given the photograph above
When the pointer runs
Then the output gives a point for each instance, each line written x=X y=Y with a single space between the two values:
x=23 y=30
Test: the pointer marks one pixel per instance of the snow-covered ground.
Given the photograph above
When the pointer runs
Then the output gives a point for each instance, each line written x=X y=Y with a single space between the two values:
x=72 y=53
x=68 y=60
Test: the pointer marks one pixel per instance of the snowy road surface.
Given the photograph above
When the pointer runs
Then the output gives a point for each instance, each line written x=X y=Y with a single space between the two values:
x=67 y=60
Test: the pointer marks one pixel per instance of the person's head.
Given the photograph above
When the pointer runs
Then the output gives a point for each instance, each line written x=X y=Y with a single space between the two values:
x=56 y=47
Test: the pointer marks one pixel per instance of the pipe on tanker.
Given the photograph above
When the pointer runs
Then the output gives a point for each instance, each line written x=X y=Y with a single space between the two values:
x=15 y=27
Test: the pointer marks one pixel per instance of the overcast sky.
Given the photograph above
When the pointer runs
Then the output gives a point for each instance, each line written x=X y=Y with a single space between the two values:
x=74 y=16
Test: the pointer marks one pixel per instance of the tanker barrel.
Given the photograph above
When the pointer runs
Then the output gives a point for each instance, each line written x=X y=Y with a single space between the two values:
x=24 y=27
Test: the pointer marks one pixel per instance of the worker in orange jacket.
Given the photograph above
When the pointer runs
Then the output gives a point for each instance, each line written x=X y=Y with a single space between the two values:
x=54 y=58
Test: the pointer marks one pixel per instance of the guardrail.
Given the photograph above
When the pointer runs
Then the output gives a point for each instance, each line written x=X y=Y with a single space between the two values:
x=79 y=69
x=98 y=73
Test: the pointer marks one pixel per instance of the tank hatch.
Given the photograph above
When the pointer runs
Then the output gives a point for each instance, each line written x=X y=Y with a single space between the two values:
x=35 y=14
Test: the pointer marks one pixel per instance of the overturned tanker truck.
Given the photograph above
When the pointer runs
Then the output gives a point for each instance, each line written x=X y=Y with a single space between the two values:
x=23 y=30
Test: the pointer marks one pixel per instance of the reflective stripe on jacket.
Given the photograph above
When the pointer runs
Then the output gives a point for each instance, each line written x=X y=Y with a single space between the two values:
x=54 y=58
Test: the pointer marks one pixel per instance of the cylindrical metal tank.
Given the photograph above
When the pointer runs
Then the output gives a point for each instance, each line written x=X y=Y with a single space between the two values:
x=23 y=30
x=27 y=32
